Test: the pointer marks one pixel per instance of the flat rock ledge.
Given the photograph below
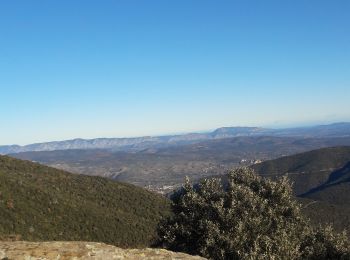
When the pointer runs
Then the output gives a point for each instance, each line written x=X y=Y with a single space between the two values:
x=81 y=250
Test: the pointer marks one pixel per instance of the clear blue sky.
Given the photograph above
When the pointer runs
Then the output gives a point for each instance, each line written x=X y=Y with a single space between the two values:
x=115 y=68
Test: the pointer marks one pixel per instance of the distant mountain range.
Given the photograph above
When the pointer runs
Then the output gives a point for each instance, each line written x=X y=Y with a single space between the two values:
x=168 y=166
x=149 y=142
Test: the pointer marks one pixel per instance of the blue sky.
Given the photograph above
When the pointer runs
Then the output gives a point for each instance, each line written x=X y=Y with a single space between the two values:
x=90 y=69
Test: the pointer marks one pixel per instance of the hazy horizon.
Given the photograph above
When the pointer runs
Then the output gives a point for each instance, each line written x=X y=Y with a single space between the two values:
x=195 y=131
x=84 y=69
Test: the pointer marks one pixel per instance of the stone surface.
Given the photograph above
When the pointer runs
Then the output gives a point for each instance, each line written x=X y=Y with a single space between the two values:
x=81 y=250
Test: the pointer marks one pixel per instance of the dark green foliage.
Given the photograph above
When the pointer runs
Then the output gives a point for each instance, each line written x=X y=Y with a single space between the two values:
x=42 y=203
x=251 y=218
x=324 y=243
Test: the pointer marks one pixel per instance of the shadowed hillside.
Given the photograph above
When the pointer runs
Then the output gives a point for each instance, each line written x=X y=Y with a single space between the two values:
x=321 y=181
x=335 y=190
x=307 y=170
x=42 y=203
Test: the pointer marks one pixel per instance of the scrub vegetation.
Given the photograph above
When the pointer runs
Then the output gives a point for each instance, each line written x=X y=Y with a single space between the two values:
x=39 y=203
x=250 y=217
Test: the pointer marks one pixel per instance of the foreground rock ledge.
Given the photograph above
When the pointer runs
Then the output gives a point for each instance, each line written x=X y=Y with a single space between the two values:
x=81 y=250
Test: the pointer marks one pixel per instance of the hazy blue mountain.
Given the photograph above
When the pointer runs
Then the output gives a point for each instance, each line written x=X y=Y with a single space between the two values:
x=159 y=167
x=332 y=130
x=226 y=132
x=149 y=142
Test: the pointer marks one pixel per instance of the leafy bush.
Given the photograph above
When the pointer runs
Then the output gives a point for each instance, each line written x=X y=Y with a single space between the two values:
x=248 y=218
x=323 y=243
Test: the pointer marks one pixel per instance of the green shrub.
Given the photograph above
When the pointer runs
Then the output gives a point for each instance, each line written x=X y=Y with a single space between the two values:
x=323 y=243
x=249 y=218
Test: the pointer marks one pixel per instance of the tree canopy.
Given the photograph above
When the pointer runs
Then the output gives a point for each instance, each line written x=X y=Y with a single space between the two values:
x=249 y=217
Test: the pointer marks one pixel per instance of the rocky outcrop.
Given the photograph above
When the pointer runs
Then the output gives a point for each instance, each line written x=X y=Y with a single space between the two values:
x=81 y=250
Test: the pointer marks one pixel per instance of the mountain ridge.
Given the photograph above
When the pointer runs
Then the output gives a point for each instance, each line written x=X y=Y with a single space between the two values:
x=147 y=142
x=155 y=168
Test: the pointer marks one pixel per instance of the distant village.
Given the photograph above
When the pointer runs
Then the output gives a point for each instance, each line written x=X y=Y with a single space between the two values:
x=250 y=162
x=165 y=189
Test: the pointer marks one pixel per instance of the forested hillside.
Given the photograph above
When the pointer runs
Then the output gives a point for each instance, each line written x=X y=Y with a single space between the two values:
x=42 y=203
x=321 y=180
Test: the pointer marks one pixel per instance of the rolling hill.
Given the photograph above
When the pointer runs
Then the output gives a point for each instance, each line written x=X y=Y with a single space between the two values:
x=41 y=203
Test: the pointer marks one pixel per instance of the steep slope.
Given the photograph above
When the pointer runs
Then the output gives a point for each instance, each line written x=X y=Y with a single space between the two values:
x=307 y=170
x=335 y=190
x=42 y=203
x=321 y=181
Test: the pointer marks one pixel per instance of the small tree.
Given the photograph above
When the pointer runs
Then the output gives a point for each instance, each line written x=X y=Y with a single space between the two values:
x=248 y=218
